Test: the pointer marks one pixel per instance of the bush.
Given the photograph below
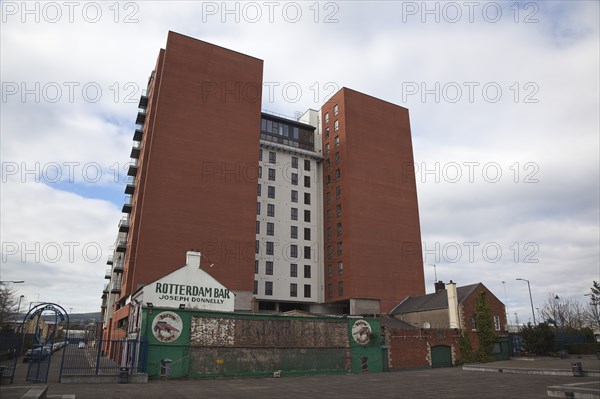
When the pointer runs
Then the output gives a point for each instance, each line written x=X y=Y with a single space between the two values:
x=583 y=349
x=539 y=340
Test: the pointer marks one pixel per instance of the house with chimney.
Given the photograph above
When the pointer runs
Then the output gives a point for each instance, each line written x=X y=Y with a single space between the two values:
x=452 y=307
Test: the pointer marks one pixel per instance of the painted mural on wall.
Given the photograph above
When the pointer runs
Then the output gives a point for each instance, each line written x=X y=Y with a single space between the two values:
x=167 y=326
x=361 y=332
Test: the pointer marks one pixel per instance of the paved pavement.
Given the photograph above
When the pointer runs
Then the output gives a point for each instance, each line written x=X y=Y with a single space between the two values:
x=425 y=383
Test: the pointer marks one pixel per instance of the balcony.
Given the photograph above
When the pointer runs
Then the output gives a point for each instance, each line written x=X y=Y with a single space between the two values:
x=109 y=261
x=127 y=205
x=122 y=246
x=118 y=267
x=143 y=104
x=133 y=167
x=141 y=118
x=124 y=225
x=135 y=150
x=105 y=290
x=137 y=135
x=116 y=287
x=130 y=187
x=107 y=274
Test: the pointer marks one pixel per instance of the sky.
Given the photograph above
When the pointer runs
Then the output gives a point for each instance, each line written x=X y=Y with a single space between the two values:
x=504 y=111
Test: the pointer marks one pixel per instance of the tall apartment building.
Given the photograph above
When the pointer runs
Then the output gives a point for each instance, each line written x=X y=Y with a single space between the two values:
x=313 y=213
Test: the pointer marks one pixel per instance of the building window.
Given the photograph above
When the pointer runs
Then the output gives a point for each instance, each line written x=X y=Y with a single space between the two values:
x=307 y=165
x=273 y=157
x=270 y=247
x=268 y=288
x=258 y=208
x=306 y=271
x=329 y=290
x=340 y=288
x=259 y=172
x=337 y=157
x=327 y=148
x=327 y=164
x=338 y=210
x=497 y=323
x=327 y=179
x=260 y=155
x=307 y=181
x=326 y=117
x=294 y=196
x=335 y=110
x=259 y=190
x=328 y=214
x=328 y=198
x=293 y=270
x=336 y=141
x=295 y=162
x=257 y=227
x=473 y=324
x=271 y=174
x=338 y=192
x=306 y=198
x=340 y=268
x=329 y=233
x=294 y=214
x=255 y=290
x=326 y=132
x=270 y=229
x=293 y=251
x=269 y=268
x=271 y=192
x=307 y=234
x=329 y=270
x=337 y=175
x=293 y=289
x=329 y=251
x=307 y=216
x=306 y=290
x=339 y=248
x=336 y=125
x=294 y=232
x=339 y=229
x=271 y=210
x=294 y=179
x=256 y=266
x=257 y=249
x=307 y=252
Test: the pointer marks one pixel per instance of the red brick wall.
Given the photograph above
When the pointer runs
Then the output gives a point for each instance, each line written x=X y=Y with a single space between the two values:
x=468 y=310
x=380 y=215
x=410 y=348
x=201 y=140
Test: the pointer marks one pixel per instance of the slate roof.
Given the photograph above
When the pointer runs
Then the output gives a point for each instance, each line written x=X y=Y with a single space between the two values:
x=438 y=300
x=395 y=324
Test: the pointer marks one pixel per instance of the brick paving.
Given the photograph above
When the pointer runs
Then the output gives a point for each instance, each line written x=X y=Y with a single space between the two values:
x=424 y=383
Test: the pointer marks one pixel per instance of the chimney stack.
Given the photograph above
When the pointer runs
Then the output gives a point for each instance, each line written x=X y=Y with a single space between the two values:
x=452 y=304
x=439 y=285
x=193 y=259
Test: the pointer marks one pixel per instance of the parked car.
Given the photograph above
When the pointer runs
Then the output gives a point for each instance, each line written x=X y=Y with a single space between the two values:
x=34 y=354
x=81 y=345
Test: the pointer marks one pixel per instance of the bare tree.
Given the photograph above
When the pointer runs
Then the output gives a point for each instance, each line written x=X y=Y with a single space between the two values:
x=564 y=313
x=8 y=301
x=592 y=310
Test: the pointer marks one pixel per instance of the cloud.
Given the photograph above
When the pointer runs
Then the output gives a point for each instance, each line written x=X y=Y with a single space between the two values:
x=528 y=106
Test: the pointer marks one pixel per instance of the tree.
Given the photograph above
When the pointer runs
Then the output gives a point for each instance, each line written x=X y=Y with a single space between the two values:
x=8 y=300
x=563 y=313
x=485 y=328
x=592 y=310
x=540 y=339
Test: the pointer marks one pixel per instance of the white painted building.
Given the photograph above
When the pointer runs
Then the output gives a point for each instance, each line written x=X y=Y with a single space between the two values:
x=289 y=229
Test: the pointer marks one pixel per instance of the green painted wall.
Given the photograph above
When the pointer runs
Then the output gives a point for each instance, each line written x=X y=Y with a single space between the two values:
x=263 y=344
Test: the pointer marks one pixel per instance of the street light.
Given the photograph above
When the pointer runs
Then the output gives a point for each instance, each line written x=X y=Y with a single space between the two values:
x=530 y=299
x=19 y=307
x=14 y=282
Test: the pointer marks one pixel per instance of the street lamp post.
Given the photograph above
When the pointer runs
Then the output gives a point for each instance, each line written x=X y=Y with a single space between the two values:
x=19 y=308
x=530 y=299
